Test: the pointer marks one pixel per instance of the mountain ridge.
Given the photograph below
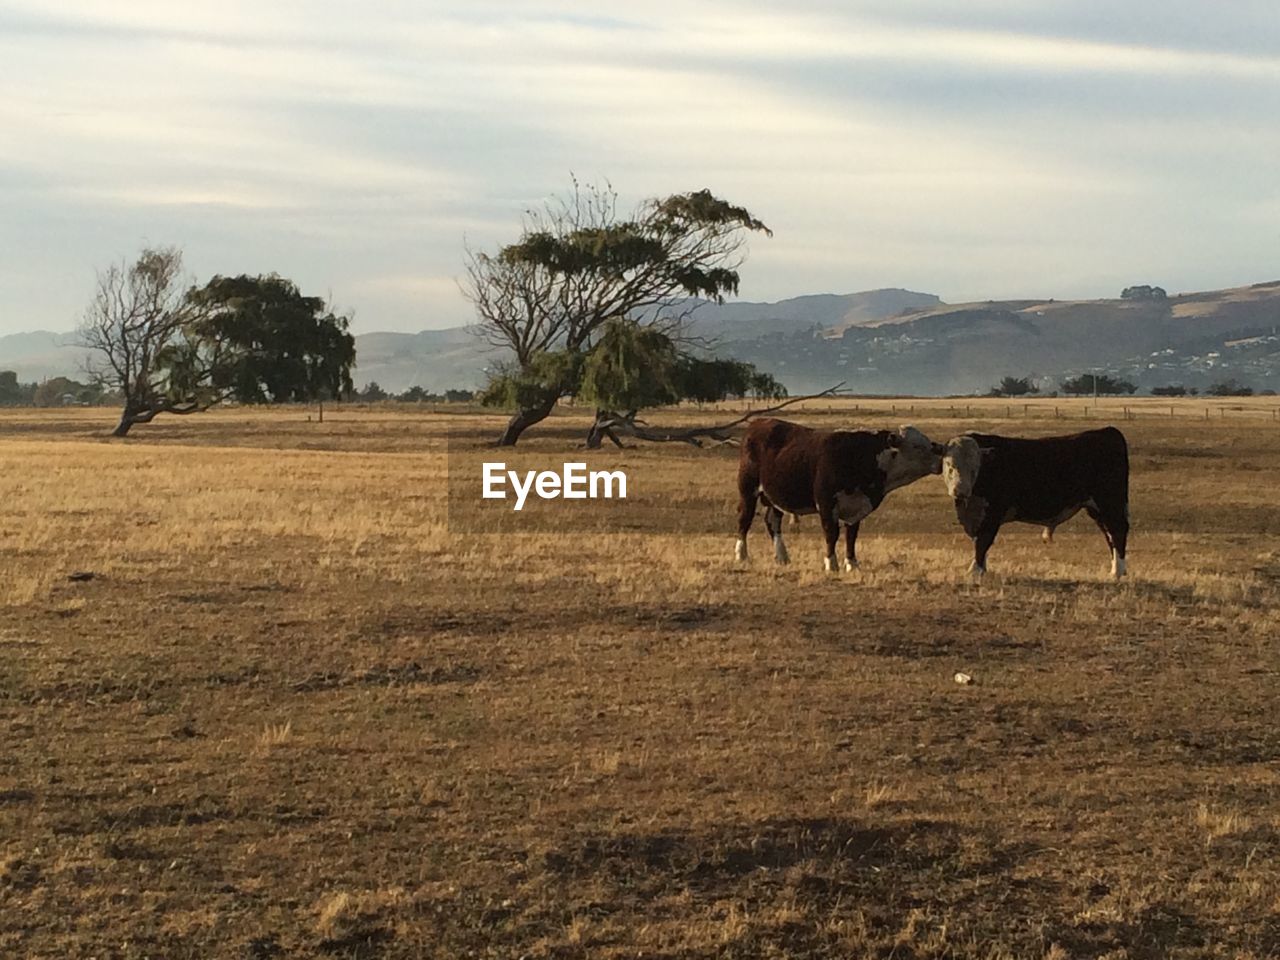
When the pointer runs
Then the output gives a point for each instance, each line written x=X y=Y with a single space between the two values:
x=888 y=340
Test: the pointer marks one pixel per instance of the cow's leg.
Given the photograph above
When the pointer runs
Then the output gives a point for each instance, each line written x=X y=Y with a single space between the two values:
x=851 y=546
x=1047 y=535
x=748 y=493
x=773 y=523
x=830 y=533
x=981 y=544
x=1113 y=521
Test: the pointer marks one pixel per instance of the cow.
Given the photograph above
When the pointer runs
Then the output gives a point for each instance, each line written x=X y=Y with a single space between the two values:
x=841 y=475
x=1046 y=481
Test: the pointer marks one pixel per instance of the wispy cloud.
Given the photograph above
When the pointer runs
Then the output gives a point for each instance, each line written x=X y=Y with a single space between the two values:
x=1060 y=147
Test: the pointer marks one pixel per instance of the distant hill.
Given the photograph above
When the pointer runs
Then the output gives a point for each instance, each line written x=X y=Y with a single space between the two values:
x=879 y=341
x=41 y=354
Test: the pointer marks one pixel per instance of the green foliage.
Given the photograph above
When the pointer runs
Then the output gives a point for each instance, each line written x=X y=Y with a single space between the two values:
x=371 y=392
x=590 y=303
x=1014 y=387
x=765 y=387
x=669 y=248
x=1229 y=388
x=1101 y=384
x=548 y=376
x=417 y=394
x=63 y=391
x=1143 y=292
x=710 y=381
x=1173 y=390
x=630 y=367
x=272 y=343
x=13 y=393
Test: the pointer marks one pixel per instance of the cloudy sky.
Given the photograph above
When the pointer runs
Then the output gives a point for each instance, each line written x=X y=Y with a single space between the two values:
x=995 y=148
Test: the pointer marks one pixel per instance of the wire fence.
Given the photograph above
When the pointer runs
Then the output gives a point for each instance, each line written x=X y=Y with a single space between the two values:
x=1069 y=411
x=1224 y=410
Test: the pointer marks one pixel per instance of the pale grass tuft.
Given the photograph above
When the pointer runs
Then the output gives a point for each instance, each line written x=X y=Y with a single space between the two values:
x=1221 y=823
x=877 y=793
x=341 y=914
x=275 y=735
x=576 y=932
x=332 y=910
x=608 y=762
x=735 y=924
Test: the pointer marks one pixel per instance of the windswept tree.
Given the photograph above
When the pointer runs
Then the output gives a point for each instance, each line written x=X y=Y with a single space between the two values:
x=143 y=331
x=577 y=266
x=168 y=347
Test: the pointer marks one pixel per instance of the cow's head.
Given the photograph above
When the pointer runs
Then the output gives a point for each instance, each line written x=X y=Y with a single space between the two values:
x=909 y=456
x=961 y=462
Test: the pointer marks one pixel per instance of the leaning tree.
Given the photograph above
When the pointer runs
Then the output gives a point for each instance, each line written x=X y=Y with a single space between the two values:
x=142 y=333
x=169 y=347
x=577 y=266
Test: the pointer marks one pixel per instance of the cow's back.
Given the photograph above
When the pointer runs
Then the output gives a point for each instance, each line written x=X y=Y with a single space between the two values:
x=1054 y=470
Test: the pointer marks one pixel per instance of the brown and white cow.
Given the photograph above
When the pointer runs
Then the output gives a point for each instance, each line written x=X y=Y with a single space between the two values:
x=1045 y=481
x=841 y=475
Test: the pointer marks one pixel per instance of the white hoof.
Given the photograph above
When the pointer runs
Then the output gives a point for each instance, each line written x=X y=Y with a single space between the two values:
x=780 y=555
x=850 y=566
x=976 y=571
x=1117 y=567
x=830 y=565
x=740 y=551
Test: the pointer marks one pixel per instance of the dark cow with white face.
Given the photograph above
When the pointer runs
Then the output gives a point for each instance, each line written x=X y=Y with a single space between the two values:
x=840 y=475
x=1045 y=481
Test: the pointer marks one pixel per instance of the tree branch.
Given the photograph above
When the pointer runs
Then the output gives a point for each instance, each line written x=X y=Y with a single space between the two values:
x=609 y=424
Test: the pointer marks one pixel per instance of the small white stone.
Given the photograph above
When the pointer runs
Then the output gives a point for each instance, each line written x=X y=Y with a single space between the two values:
x=963 y=679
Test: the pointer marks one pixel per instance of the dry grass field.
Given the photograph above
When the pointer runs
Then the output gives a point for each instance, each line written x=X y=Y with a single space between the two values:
x=293 y=715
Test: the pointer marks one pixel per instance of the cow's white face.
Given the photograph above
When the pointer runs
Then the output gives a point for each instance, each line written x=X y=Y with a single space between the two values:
x=960 y=464
x=914 y=456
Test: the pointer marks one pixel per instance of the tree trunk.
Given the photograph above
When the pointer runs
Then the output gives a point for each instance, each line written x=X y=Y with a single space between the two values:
x=603 y=427
x=524 y=418
x=122 y=428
